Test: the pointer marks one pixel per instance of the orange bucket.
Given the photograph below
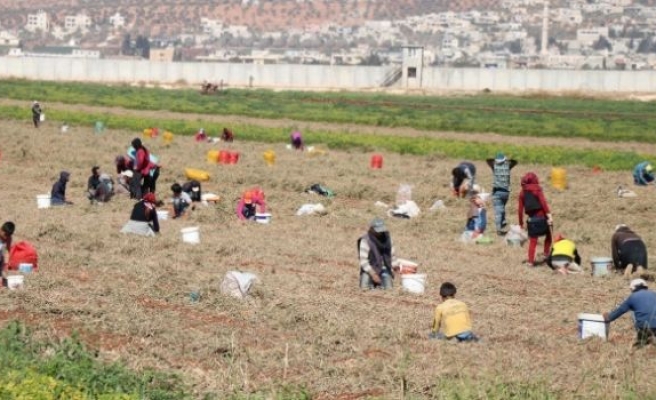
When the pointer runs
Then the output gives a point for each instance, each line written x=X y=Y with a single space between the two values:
x=224 y=157
x=234 y=158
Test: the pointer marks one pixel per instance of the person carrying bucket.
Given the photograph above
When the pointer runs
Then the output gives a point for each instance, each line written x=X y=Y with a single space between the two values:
x=643 y=304
x=463 y=179
x=628 y=249
x=377 y=257
x=501 y=167
x=643 y=174
x=143 y=220
x=564 y=257
x=36 y=113
x=452 y=318
x=539 y=220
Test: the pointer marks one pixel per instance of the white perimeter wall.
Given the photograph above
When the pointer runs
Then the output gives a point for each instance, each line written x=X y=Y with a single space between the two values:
x=322 y=77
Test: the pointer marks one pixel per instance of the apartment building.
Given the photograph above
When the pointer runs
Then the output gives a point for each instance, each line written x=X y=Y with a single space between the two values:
x=38 y=22
x=75 y=22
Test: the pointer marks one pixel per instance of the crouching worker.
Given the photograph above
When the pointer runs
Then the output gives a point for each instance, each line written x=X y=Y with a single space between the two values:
x=564 y=257
x=251 y=202
x=477 y=215
x=377 y=257
x=193 y=189
x=143 y=220
x=643 y=304
x=181 y=201
x=58 y=192
x=628 y=249
x=463 y=179
x=452 y=318
x=643 y=174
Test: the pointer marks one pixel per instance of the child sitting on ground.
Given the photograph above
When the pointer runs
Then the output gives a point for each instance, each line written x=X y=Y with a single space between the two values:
x=180 y=202
x=477 y=214
x=452 y=317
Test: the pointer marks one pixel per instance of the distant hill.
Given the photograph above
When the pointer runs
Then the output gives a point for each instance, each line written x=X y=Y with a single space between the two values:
x=175 y=16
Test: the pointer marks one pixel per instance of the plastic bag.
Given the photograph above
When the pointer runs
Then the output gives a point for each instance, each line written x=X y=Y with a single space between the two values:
x=309 y=209
x=22 y=252
x=516 y=236
x=237 y=284
x=409 y=209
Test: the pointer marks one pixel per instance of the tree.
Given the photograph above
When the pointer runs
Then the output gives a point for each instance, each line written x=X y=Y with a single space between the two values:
x=645 y=45
x=515 y=47
x=143 y=46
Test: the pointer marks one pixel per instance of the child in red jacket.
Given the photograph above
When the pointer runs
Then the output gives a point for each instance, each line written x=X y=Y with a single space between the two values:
x=539 y=221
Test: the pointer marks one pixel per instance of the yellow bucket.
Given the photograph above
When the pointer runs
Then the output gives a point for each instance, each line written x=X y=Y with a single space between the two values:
x=148 y=133
x=197 y=174
x=559 y=178
x=269 y=157
x=167 y=137
x=213 y=156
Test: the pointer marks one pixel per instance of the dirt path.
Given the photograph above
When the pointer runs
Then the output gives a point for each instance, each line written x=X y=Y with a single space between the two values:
x=643 y=148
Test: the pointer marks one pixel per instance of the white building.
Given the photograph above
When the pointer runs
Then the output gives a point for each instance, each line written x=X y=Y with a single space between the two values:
x=75 y=22
x=211 y=26
x=588 y=36
x=7 y=39
x=38 y=21
x=567 y=16
x=117 y=20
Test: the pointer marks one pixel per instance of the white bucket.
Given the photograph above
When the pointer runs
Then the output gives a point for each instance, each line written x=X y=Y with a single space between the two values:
x=593 y=325
x=601 y=265
x=414 y=283
x=162 y=215
x=43 y=200
x=191 y=235
x=263 y=218
x=15 y=282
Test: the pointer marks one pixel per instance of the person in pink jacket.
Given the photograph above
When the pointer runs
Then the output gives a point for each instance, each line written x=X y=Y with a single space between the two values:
x=251 y=202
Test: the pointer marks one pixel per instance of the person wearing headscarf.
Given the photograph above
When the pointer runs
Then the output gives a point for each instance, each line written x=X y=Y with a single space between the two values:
x=377 y=257
x=143 y=220
x=58 y=192
x=628 y=249
x=252 y=201
x=36 y=113
x=227 y=135
x=463 y=179
x=297 y=141
x=539 y=220
x=123 y=163
x=643 y=174
x=643 y=304
x=564 y=256
x=501 y=167
x=142 y=180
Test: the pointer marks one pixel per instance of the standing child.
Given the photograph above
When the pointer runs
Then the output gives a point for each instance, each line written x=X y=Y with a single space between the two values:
x=539 y=221
x=452 y=317
x=36 y=113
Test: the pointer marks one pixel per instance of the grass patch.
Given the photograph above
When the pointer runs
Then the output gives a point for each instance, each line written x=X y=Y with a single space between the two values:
x=68 y=370
x=594 y=119
x=545 y=155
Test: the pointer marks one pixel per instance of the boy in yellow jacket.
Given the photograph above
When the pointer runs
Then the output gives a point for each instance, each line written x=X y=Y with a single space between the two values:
x=452 y=317
x=564 y=257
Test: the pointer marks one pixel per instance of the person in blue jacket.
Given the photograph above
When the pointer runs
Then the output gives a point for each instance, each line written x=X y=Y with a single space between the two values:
x=643 y=174
x=643 y=304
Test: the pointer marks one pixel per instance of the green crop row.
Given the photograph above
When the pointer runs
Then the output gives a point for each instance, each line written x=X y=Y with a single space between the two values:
x=549 y=155
x=601 y=120
x=71 y=371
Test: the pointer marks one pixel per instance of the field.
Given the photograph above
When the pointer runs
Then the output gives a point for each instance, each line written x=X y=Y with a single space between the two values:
x=308 y=331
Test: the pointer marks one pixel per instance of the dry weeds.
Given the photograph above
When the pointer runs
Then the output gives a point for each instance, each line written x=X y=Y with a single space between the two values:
x=308 y=323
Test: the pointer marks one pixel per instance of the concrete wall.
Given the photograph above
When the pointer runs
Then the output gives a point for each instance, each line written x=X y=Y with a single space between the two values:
x=294 y=76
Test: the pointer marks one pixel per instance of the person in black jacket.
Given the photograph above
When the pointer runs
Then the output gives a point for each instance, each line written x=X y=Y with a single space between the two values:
x=36 y=113
x=143 y=220
x=58 y=193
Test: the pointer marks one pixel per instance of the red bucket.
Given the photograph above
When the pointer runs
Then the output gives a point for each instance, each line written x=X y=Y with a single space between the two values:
x=234 y=158
x=224 y=157
x=376 y=161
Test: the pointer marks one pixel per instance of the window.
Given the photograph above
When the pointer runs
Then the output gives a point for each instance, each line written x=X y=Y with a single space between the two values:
x=412 y=72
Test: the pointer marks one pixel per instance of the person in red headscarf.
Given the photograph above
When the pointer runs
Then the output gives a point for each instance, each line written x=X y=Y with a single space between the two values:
x=539 y=221
x=143 y=220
